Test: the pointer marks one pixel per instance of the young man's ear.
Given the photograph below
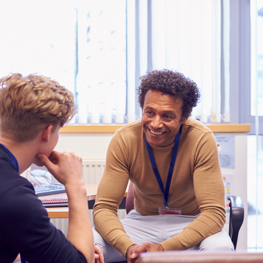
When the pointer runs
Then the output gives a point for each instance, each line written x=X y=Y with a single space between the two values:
x=46 y=133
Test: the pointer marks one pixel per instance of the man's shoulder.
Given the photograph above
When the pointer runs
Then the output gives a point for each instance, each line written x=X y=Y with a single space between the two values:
x=10 y=180
x=14 y=187
x=133 y=126
x=196 y=126
x=131 y=130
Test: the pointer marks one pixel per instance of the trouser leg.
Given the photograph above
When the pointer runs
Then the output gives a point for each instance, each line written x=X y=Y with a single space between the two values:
x=109 y=252
x=140 y=229
x=156 y=229
x=218 y=241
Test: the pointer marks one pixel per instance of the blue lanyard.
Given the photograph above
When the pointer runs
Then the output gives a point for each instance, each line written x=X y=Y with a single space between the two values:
x=14 y=160
x=171 y=168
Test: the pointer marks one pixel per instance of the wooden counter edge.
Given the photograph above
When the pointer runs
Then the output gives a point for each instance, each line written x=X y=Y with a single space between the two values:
x=216 y=128
x=62 y=212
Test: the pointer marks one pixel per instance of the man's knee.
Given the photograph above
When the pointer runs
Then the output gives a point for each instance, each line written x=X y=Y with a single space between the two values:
x=218 y=241
x=109 y=252
x=98 y=240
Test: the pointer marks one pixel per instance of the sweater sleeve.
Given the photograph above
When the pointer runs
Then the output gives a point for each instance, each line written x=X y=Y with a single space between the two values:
x=209 y=192
x=28 y=230
x=110 y=193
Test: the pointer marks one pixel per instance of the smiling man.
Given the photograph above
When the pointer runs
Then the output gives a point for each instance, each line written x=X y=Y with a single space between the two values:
x=173 y=162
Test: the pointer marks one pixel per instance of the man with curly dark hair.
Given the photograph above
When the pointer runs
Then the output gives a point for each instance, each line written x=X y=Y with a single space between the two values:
x=173 y=163
x=172 y=83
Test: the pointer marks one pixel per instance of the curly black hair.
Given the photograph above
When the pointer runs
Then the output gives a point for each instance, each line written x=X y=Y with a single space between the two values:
x=172 y=83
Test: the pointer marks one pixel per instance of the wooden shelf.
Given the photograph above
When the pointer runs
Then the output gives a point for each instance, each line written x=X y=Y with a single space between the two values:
x=216 y=128
x=226 y=128
x=90 y=128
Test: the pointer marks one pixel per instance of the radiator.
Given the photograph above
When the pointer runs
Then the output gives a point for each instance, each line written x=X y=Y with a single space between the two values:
x=92 y=172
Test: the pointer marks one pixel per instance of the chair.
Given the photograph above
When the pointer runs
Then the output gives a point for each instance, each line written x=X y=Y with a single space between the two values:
x=236 y=213
x=236 y=217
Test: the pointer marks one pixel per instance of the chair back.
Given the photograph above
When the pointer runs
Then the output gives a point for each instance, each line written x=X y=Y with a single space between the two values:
x=129 y=198
x=236 y=217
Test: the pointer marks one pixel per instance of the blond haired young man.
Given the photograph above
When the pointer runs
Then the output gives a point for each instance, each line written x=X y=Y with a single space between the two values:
x=32 y=110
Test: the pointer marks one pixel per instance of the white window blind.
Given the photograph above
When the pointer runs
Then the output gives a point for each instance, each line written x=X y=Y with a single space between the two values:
x=99 y=48
x=101 y=60
x=186 y=36
x=255 y=156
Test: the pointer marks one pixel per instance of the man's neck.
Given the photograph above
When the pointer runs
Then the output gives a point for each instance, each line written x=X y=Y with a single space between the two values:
x=24 y=152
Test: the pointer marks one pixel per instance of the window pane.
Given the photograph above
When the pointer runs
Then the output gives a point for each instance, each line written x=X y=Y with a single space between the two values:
x=101 y=60
x=254 y=193
x=81 y=44
x=256 y=56
x=38 y=37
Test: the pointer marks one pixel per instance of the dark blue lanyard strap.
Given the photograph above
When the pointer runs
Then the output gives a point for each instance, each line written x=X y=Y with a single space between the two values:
x=14 y=160
x=171 y=168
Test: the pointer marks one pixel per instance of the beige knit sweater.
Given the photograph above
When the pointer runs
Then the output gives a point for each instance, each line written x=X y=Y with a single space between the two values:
x=196 y=186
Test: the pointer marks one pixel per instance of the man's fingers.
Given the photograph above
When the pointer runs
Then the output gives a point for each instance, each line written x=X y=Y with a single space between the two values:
x=134 y=255
x=47 y=162
x=142 y=248
x=138 y=250
x=54 y=157
x=43 y=158
x=98 y=254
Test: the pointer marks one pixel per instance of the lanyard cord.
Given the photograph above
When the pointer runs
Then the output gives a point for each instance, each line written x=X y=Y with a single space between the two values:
x=13 y=158
x=171 y=168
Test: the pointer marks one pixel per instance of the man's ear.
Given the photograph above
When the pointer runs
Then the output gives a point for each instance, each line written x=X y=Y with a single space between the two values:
x=46 y=133
x=184 y=119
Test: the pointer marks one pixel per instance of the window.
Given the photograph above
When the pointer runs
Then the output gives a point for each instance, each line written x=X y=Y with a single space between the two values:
x=82 y=44
x=256 y=58
x=254 y=111
x=254 y=193
x=99 y=48
x=248 y=75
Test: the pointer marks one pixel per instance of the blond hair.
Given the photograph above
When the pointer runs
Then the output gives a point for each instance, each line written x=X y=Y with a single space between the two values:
x=29 y=104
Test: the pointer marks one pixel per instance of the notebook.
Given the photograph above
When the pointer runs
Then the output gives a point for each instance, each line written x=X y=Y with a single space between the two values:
x=54 y=202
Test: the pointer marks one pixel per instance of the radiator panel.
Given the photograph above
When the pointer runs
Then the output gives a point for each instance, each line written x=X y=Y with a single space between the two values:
x=93 y=170
x=92 y=173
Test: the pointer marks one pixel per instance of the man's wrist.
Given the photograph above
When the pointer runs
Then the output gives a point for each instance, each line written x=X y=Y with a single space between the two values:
x=161 y=247
x=128 y=250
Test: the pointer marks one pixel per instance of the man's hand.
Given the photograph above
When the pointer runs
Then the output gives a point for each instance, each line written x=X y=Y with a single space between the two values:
x=134 y=251
x=65 y=167
x=98 y=255
x=17 y=258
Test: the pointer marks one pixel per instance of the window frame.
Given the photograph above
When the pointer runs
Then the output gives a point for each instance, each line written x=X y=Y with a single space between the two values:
x=241 y=22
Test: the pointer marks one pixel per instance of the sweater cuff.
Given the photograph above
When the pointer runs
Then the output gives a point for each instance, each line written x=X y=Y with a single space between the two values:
x=171 y=244
x=123 y=244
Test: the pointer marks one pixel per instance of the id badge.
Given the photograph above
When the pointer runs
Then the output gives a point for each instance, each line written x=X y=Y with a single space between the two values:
x=163 y=210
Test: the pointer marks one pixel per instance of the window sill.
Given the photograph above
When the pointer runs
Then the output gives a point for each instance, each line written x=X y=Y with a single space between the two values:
x=216 y=128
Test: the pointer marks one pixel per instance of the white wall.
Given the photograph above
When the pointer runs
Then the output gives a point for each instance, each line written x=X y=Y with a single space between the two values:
x=94 y=146
x=88 y=146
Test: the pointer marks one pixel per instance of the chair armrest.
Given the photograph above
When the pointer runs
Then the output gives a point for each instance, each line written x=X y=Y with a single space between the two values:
x=130 y=198
x=236 y=217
